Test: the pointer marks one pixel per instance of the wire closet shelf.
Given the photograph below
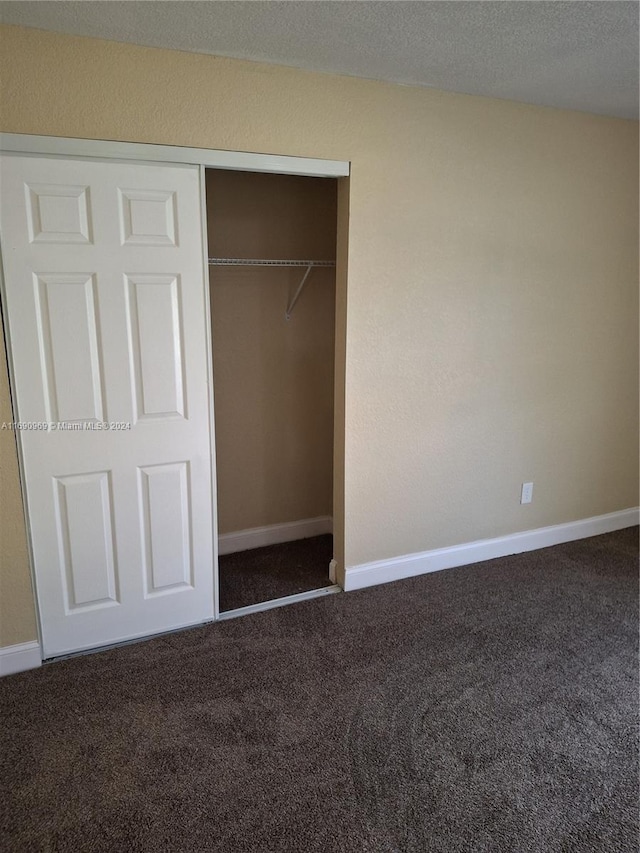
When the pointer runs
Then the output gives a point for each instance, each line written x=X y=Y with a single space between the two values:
x=267 y=262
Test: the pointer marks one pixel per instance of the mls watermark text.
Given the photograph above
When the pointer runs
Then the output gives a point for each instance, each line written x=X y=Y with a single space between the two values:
x=65 y=426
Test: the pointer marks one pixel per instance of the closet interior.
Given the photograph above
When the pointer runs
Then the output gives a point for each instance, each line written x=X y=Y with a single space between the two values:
x=272 y=250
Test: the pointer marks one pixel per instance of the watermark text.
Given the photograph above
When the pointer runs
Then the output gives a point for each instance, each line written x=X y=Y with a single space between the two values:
x=65 y=426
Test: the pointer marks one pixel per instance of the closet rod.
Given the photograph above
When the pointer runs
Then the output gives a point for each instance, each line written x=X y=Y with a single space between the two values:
x=265 y=262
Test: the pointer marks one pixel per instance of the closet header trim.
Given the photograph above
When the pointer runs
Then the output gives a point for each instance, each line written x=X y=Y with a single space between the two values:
x=245 y=161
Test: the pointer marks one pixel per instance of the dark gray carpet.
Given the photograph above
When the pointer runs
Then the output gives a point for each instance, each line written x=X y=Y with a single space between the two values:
x=263 y=574
x=487 y=708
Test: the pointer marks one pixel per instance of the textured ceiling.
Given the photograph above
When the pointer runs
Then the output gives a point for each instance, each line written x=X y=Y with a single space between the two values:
x=575 y=55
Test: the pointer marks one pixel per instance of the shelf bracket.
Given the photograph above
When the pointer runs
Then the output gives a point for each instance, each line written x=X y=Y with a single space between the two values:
x=296 y=295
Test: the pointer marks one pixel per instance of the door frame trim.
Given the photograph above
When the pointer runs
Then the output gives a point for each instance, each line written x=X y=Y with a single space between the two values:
x=104 y=149
x=212 y=422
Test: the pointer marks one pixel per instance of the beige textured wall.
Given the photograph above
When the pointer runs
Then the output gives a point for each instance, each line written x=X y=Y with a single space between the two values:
x=17 y=618
x=273 y=377
x=492 y=325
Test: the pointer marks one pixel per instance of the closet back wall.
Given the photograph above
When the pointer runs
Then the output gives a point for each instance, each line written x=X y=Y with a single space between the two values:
x=273 y=378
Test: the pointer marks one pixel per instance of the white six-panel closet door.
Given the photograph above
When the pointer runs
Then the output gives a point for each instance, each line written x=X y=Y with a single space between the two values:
x=105 y=303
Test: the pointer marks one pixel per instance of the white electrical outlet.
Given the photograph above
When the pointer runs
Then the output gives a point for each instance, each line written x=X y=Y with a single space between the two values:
x=526 y=495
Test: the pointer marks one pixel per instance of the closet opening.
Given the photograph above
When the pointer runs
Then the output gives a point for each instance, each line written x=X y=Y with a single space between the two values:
x=272 y=279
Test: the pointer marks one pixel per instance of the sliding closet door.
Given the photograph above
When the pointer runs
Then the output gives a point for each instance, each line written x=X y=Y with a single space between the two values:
x=105 y=303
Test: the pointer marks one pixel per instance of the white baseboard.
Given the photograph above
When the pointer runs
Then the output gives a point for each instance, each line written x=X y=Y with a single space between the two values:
x=273 y=534
x=19 y=658
x=409 y=565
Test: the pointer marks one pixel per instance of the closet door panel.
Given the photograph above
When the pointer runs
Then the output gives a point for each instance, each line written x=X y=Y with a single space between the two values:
x=167 y=525
x=105 y=301
x=71 y=376
x=157 y=345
